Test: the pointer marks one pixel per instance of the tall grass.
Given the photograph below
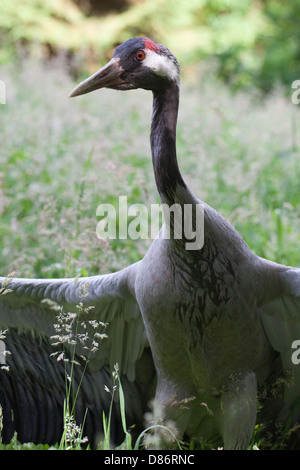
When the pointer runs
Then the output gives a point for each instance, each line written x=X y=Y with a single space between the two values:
x=60 y=158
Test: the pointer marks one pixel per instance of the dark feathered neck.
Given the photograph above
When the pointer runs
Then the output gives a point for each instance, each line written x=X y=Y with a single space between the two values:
x=163 y=143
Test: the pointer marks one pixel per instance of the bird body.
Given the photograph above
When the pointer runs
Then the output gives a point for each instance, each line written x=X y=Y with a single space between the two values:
x=190 y=297
x=206 y=325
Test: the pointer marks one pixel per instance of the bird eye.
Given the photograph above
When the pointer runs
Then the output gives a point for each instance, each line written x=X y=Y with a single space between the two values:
x=140 y=55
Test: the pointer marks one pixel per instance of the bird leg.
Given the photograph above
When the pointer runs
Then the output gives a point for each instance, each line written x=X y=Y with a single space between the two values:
x=238 y=405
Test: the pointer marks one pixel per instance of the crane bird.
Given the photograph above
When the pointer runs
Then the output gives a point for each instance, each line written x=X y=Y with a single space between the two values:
x=201 y=331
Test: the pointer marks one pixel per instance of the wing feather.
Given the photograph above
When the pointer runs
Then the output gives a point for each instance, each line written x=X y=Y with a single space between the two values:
x=281 y=320
x=35 y=385
x=27 y=307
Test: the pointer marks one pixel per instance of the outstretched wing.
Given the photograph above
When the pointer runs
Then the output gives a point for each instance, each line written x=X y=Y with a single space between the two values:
x=281 y=320
x=50 y=325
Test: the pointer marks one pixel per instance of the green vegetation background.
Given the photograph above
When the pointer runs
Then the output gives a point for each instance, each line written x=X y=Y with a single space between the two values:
x=61 y=158
x=253 y=42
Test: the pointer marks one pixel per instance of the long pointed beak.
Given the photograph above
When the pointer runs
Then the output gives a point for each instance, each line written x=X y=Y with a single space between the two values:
x=108 y=77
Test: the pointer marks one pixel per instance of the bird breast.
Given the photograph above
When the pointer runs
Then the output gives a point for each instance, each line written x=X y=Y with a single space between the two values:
x=196 y=320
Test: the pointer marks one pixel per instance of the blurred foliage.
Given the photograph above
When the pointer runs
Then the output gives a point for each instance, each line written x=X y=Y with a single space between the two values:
x=252 y=42
x=274 y=56
x=281 y=44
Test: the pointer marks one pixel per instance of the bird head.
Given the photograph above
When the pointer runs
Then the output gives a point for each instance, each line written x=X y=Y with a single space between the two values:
x=137 y=63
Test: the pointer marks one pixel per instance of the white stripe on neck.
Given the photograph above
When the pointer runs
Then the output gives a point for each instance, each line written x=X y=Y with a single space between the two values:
x=162 y=65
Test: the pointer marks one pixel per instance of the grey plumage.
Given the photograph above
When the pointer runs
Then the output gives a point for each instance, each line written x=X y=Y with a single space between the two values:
x=34 y=387
x=209 y=327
